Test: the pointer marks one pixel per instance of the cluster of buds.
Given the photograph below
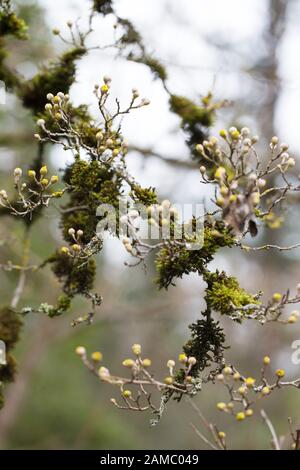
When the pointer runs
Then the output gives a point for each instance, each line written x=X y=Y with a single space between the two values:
x=157 y=223
x=56 y=107
x=141 y=379
x=273 y=310
x=162 y=215
x=244 y=392
x=30 y=194
x=77 y=247
x=241 y=176
x=104 y=88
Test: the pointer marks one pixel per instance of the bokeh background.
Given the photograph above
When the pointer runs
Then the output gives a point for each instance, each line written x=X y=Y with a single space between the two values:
x=246 y=52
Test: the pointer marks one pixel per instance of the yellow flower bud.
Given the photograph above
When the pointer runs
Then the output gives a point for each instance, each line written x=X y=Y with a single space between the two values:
x=221 y=406
x=168 y=380
x=249 y=381
x=292 y=319
x=265 y=391
x=221 y=435
x=240 y=416
x=280 y=373
x=44 y=182
x=277 y=297
x=136 y=349
x=220 y=173
x=57 y=194
x=64 y=250
x=31 y=173
x=249 y=412
x=224 y=190
x=146 y=362
x=266 y=360
x=43 y=170
x=97 y=356
x=182 y=358
x=128 y=363
x=76 y=247
x=54 y=179
x=235 y=135
x=223 y=133
x=127 y=394
x=104 y=89
x=227 y=370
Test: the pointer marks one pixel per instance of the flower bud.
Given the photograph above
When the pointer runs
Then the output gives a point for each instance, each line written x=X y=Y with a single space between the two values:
x=128 y=363
x=146 y=362
x=280 y=373
x=265 y=391
x=266 y=360
x=170 y=364
x=221 y=406
x=240 y=416
x=17 y=172
x=192 y=361
x=136 y=349
x=80 y=350
x=168 y=380
x=97 y=356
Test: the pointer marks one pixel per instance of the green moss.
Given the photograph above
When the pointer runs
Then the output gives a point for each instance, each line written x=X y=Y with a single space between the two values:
x=206 y=344
x=146 y=196
x=103 y=6
x=77 y=277
x=91 y=185
x=58 y=76
x=195 y=121
x=62 y=306
x=10 y=327
x=131 y=35
x=11 y=24
x=224 y=292
x=173 y=261
x=190 y=112
x=8 y=371
x=154 y=65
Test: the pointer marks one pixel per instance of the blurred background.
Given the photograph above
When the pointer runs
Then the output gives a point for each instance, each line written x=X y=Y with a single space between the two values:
x=246 y=52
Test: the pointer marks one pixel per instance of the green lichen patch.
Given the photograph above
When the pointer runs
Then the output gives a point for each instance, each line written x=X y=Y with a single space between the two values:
x=207 y=344
x=77 y=277
x=174 y=261
x=224 y=293
x=10 y=327
x=56 y=77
